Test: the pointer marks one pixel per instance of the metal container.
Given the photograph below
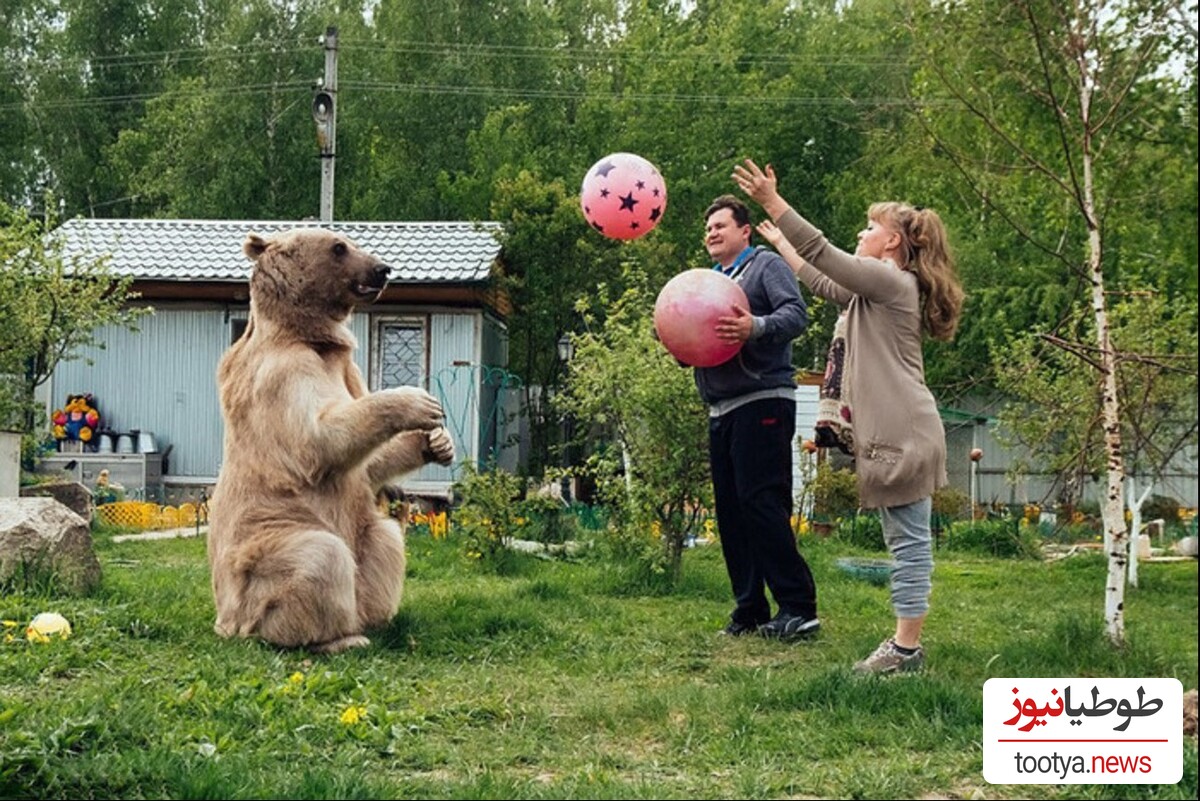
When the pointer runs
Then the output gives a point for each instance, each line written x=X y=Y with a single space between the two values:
x=105 y=443
x=124 y=443
x=145 y=442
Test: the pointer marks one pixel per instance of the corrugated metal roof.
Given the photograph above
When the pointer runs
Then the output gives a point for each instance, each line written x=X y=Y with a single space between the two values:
x=211 y=250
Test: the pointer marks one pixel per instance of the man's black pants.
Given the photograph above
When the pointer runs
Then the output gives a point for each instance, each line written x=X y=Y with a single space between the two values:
x=750 y=449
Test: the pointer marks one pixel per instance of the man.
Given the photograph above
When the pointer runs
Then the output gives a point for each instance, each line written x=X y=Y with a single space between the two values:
x=752 y=420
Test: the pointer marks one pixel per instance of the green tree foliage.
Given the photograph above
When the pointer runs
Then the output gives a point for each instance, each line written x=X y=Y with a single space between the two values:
x=625 y=387
x=549 y=253
x=1059 y=121
x=423 y=80
x=1055 y=414
x=85 y=71
x=233 y=137
x=50 y=307
x=982 y=143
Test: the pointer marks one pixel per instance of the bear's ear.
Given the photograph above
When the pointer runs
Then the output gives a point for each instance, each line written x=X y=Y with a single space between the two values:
x=254 y=246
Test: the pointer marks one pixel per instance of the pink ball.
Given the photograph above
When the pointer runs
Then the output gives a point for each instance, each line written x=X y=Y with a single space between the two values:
x=686 y=313
x=623 y=196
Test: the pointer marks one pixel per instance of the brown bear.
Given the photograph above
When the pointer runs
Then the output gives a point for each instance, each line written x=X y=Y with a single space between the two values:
x=300 y=554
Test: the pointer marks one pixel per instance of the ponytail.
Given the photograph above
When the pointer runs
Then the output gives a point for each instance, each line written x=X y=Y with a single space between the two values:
x=928 y=256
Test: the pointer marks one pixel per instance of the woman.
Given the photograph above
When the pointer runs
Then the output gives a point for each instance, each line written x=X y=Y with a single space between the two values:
x=899 y=285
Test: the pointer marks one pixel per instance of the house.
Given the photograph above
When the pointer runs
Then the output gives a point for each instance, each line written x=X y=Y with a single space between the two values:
x=439 y=325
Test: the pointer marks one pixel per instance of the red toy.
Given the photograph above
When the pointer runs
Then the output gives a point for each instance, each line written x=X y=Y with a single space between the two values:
x=686 y=313
x=623 y=196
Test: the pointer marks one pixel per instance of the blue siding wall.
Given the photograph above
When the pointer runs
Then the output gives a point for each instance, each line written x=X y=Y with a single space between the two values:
x=360 y=326
x=160 y=379
x=500 y=424
x=454 y=378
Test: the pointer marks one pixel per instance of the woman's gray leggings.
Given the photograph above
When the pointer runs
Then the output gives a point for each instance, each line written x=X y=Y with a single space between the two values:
x=906 y=532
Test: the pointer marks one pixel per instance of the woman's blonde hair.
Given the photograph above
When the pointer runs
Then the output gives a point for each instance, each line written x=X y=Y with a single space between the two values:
x=928 y=256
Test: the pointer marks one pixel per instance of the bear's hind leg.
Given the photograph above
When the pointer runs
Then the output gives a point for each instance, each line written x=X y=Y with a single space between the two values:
x=299 y=590
x=380 y=572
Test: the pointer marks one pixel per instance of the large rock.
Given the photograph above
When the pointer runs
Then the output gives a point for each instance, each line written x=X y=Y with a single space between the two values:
x=42 y=540
x=70 y=494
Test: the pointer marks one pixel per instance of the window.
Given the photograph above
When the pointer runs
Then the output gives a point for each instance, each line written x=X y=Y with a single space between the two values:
x=400 y=353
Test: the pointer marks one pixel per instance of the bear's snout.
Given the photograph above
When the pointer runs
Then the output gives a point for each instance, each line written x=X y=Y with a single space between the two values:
x=372 y=281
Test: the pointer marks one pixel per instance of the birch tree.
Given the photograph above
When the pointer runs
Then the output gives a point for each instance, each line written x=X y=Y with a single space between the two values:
x=1059 y=100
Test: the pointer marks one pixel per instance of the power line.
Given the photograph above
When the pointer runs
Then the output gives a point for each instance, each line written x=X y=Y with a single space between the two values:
x=158 y=56
x=477 y=90
x=247 y=138
x=604 y=54
x=107 y=100
x=568 y=94
x=460 y=49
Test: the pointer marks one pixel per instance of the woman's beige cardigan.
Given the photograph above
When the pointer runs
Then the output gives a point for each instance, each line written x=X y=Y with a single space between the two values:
x=899 y=442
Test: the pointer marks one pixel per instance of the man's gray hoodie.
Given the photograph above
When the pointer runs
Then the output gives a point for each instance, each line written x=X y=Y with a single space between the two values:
x=763 y=367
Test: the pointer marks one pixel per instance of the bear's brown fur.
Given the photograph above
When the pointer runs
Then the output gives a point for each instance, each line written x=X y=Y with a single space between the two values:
x=300 y=555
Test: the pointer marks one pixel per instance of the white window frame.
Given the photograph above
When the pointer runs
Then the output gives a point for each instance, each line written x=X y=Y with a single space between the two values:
x=411 y=321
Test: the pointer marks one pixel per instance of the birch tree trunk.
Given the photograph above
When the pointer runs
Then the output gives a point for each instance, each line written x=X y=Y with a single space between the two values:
x=1112 y=508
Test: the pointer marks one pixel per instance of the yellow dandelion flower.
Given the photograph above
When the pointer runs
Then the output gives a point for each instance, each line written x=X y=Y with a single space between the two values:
x=353 y=714
x=11 y=624
x=296 y=678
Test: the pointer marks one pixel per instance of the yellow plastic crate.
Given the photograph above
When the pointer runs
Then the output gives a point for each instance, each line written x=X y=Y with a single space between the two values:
x=187 y=514
x=167 y=517
x=128 y=514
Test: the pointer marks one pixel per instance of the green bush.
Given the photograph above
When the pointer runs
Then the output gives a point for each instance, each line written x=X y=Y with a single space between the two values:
x=1069 y=533
x=487 y=516
x=950 y=503
x=834 y=492
x=1004 y=537
x=635 y=561
x=862 y=531
x=547 y=520
x=1161 y=507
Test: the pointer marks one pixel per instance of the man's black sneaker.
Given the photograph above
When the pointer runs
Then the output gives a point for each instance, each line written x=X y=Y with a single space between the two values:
x=789 y=627
x=736 y=628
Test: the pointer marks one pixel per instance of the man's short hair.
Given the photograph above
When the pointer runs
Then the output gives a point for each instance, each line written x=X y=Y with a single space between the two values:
x=741 y=214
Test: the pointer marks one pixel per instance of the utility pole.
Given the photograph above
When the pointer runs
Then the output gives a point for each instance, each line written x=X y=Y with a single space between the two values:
x=324 y=112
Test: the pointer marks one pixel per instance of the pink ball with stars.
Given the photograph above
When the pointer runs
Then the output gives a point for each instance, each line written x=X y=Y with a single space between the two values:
x=623 y=196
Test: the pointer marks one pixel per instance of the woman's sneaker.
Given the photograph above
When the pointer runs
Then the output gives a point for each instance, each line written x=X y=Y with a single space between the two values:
x=890 y=659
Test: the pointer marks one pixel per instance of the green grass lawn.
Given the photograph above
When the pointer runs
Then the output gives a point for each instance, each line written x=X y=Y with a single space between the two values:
x=557 y=682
